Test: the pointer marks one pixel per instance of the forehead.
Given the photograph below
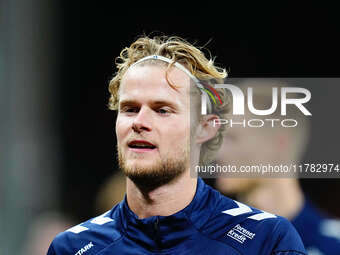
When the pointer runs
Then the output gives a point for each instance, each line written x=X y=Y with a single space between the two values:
x=148 y=78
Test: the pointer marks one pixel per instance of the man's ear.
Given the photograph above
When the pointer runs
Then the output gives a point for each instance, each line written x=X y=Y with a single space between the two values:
x=208 y=127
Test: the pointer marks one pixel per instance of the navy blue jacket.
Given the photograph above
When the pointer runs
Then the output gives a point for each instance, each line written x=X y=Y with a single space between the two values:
x=319 y=233
x=210 y=224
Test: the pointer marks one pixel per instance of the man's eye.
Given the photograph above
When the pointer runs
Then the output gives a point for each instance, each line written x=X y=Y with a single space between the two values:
x=163 y=111
x=129 y=109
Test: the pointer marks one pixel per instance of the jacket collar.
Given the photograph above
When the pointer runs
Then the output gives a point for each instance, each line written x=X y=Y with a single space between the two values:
x=164 y=232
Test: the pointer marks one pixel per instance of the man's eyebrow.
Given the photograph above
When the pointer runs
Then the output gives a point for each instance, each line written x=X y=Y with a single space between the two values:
x=127 y=102
x=152 y=103
x=164 y=103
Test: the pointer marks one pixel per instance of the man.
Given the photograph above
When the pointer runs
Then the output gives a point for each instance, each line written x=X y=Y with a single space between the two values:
x=166 y=211
x=243 y=146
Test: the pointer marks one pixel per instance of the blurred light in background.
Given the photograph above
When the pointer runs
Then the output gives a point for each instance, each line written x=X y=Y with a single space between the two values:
x=29 y=99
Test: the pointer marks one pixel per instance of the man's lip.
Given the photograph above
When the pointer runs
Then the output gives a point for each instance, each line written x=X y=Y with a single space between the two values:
x=140 y=142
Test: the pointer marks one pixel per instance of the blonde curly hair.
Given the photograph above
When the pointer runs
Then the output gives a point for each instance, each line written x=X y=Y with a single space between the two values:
x=177 y=50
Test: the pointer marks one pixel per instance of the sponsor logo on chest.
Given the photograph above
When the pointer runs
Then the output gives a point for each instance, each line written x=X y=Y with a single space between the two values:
x=240 y=233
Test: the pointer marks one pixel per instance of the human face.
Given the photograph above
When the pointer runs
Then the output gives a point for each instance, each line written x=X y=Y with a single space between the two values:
x=152 y=125
x=245 y=146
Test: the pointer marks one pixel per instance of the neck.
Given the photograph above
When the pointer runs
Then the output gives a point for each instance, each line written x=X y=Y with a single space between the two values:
x=283 y=197
x=164 y=200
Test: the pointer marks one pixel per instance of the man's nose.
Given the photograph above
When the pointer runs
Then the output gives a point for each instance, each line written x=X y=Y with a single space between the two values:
x=142 y=121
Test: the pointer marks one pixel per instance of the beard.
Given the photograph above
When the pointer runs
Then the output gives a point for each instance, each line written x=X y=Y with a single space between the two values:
x=161 y=172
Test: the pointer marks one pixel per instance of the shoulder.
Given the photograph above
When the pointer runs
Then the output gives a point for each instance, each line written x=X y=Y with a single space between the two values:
x=319 y=232
x=325 y=239
x=248 y=228
x=90 y=236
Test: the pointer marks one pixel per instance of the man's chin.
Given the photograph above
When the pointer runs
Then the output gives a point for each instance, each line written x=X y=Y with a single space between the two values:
x=151 y=176
x=141 y=166
x=150 y=173
x=148 y=180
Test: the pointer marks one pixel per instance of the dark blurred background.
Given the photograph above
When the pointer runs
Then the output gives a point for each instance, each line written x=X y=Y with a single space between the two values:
x=57 y=57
